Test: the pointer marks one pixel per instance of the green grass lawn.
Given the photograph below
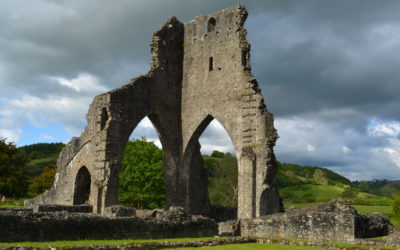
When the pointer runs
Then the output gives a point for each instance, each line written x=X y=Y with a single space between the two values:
x=11 y=206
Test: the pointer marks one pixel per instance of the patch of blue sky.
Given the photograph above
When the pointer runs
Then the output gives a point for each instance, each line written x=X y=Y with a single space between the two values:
x=33 y=134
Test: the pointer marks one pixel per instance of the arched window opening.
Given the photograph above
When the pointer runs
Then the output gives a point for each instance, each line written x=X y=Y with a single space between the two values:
x=141 y=179
x=211 y=24
x=221 y=165
x=82 y=186
x=103 y=118
x=210 y=63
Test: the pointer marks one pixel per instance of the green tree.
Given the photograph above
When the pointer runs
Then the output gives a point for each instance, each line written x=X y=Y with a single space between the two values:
x=141 y=181
x=42 y=182
x=12 y=170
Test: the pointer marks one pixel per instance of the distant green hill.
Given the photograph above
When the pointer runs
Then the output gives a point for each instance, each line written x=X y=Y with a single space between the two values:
x=41 y=156
x=42 y=150
x=300 y=184
x=296 y=184
x=304 y=184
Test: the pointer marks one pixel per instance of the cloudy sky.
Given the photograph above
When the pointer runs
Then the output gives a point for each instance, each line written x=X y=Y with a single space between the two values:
x=329 y=71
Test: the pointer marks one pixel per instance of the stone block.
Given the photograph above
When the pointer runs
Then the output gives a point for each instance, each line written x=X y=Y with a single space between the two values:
x=119 y=211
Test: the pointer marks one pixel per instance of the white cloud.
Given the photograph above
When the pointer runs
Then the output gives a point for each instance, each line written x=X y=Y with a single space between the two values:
x=393 y=150
x=394 y=155
x=11 y=135
x=146 y=123
x=384 y=129
x=84 y=82
x=310 y=148
x=387 y=131
x=215 y=137
x=346 y=150
x=44 y=112
x=353 y=153
x=52 y=109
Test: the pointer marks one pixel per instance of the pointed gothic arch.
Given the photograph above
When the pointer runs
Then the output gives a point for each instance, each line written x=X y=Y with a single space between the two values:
x=142 y=169
x=193 y=165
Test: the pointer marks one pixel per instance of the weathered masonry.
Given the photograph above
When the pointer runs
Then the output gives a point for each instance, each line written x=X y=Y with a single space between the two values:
x=200 y=71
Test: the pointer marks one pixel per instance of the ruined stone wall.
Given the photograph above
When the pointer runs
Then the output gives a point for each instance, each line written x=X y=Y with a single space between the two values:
x=200 y=71
x=331 y=221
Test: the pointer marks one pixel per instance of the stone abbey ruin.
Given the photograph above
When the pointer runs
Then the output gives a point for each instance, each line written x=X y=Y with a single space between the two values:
x=200 y=71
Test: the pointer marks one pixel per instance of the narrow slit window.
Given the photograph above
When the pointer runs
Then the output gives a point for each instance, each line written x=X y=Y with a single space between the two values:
x=103 y=118
x=211 y=24
x=210 y=64
x=244 y=58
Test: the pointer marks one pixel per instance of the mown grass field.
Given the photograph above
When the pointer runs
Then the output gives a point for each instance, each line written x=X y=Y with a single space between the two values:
x=318 y=192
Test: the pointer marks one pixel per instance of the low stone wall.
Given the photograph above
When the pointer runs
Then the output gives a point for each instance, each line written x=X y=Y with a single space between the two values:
x=229 y=228
x=51 y=226
x=59 y=208
x=221 y=213
x=119 y=211
x=331 y=221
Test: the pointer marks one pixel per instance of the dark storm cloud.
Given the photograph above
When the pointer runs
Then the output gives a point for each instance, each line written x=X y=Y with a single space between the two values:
x=329 y=70
x=333 y=54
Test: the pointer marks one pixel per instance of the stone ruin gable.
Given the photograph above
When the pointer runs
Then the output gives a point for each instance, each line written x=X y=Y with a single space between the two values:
x=218 y=84
x=200 y=71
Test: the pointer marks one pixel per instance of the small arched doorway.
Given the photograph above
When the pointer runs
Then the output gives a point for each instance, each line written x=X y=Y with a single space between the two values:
x=82 y=186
